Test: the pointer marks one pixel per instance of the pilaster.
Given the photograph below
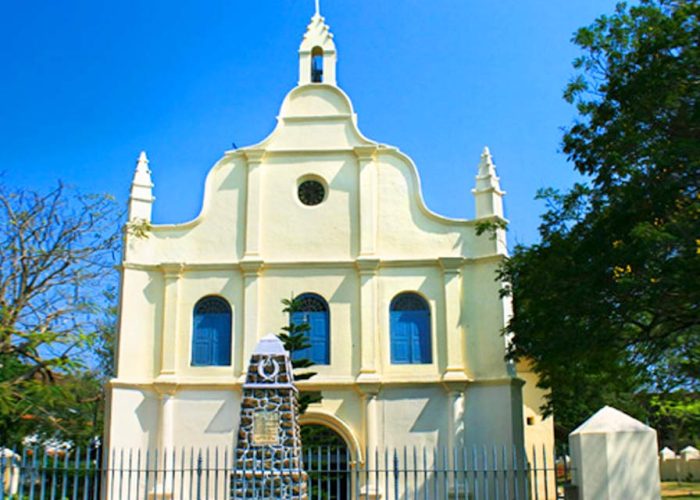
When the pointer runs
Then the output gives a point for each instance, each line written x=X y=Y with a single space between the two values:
x=251 y=270
x=166 y=432
x=166 y=393
x=368 y=198
x=370 y=393
x=254 y=158
x=172 y=272
x=455 y=413
x=454 y=332
x=367 y=269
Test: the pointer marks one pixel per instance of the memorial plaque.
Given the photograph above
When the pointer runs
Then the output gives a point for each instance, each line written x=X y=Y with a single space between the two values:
x=265 y=428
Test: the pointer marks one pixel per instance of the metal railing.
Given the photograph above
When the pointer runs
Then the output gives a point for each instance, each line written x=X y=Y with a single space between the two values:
x=473 y=473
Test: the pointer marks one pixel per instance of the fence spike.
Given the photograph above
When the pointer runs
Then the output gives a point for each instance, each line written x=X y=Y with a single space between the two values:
x=48 y=476
x=504 y=462
x=544 y=465
x=138 y=472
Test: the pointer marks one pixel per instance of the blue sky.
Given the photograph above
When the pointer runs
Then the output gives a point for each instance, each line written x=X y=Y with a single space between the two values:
x=86 y=85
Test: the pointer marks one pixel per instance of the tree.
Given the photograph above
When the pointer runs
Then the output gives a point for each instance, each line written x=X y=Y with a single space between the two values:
x=295 y=338
x=57 y=252
x=607 y=304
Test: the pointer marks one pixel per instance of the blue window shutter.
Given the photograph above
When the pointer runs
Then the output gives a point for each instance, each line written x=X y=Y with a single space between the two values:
x=410 y=336
x=201 y=342
x=426 y=341
x=211 y=335
x=298 y=318
x=421 y=352
x=319 y=337
x=221 y=336
x=399 y=329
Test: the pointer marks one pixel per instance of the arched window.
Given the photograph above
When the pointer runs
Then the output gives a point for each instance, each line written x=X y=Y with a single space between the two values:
x=314 y=311
x=410 y=329
x=317 y=65
x=211 y=332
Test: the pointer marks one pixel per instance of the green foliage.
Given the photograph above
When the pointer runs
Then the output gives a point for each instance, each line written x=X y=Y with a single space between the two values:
x=676 y=416
x=315 y=435
x=295 y=338
x=491 y=227
x=57 y=252
x=607 y=305
x=138 y=228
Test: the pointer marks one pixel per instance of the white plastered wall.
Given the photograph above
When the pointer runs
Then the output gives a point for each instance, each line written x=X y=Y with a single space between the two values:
x=254 y=243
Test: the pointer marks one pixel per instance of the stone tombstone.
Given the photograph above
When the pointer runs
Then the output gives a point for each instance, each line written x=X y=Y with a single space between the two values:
x=268 y=461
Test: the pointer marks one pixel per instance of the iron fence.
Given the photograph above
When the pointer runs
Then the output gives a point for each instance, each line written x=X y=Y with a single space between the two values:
x=469 y=473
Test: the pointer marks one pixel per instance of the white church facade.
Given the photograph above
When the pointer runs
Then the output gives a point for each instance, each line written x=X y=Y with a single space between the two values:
x=406 y=318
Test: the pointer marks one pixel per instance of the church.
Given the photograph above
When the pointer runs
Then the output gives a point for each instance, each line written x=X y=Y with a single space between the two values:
x=404 y=311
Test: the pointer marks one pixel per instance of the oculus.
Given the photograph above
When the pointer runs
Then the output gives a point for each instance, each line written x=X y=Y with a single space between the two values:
x=311 y=192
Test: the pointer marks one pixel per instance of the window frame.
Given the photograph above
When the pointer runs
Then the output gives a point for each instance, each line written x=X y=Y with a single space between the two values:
x=215 y=353
x=420 y=341
x=326 y=361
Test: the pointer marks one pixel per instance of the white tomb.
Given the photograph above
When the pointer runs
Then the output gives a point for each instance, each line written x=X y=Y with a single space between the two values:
x=615 y=456
x=667 y=453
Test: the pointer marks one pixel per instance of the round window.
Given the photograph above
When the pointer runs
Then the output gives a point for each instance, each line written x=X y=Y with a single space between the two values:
x=311 y=192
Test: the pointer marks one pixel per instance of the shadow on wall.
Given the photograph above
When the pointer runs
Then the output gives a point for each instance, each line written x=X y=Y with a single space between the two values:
x=153 y=293
x=214 y=411
x=417 y=411
x=147 y=415
x=222 y=423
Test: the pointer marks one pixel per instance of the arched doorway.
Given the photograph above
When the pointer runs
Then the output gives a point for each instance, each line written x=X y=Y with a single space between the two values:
x=327 y=462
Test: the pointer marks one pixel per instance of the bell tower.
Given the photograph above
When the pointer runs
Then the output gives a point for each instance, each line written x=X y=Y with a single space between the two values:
x=317 y=56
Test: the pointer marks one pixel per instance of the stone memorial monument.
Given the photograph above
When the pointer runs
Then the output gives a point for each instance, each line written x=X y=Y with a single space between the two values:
x=268 y=459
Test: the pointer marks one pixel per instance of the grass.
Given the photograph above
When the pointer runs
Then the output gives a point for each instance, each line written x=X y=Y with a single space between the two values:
x=680 y=491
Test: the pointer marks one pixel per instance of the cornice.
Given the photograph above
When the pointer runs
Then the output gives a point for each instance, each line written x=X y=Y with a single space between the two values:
x=253 y=155
x=451 y=264
x=361 y=263
x=172 y=269
x=367 y=264
x=316 y=118
x=251 y=267
x=365 y=153
x=175 y=384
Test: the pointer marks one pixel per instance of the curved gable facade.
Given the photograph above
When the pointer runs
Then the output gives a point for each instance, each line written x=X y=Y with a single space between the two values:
x=368 y=238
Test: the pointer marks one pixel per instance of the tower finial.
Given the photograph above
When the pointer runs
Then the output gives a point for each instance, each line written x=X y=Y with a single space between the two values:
x=318 y=7
x=141 y=196
x=488 y=192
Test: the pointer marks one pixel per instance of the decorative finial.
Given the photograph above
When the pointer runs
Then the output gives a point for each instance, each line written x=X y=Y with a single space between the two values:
x=486 y=166
x=142 y=163
x=318 y=7
x=487 y=193
x=141 y=196
x=142 y=175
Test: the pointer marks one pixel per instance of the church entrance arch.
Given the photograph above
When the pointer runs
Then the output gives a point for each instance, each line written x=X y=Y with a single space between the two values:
x=327 y=460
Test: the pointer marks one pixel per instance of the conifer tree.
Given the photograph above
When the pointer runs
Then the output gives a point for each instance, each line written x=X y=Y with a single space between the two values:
x=295 y=339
